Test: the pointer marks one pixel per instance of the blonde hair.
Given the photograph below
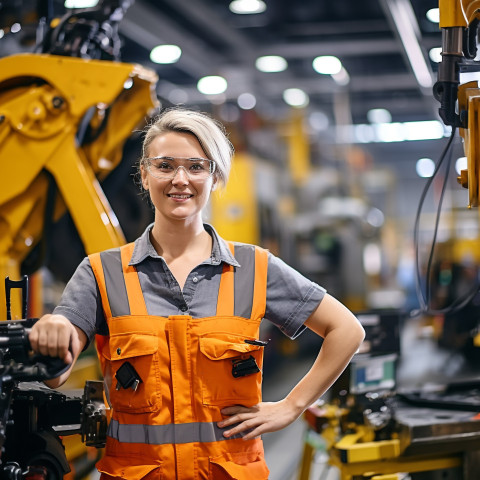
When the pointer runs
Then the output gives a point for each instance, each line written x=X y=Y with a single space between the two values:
x=209 y=132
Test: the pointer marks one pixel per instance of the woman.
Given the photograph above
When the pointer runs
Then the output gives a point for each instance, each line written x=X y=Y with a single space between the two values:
x=176 y=317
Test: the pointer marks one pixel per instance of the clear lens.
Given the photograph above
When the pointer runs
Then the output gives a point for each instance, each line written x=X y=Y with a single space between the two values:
x=167 y=167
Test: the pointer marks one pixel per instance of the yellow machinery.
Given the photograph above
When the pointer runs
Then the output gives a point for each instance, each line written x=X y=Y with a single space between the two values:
x=460 y=103
x=44 y=101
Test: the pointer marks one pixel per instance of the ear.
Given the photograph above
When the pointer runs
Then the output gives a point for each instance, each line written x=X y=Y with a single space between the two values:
x=214 y=183
x=144 y=175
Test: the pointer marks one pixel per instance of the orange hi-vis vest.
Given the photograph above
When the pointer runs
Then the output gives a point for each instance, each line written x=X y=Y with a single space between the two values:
x=164 y=424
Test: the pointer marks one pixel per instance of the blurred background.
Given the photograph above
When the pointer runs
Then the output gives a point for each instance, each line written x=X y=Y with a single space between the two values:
x=331 y=111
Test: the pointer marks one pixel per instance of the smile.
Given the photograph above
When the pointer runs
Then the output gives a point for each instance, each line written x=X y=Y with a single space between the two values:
x=180 y=197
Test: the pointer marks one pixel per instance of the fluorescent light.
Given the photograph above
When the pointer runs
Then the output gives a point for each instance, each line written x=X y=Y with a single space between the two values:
x=364 y=133
x=389 y=132
x=461 y=164
x=327 y=65
x=295 y=97
x=427 y=130
x=425 y=167
x=247 y=7
x=80 y=3
x=165 y=54
x=435 y=54
x=212 y=85
x=409 y=32
x=379 y=115
x=396 y=132
x=271 y=63
x=246 y=101
x=433 y=15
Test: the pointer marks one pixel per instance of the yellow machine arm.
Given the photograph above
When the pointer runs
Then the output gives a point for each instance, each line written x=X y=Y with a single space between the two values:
x=459 y=20
x=63 y=125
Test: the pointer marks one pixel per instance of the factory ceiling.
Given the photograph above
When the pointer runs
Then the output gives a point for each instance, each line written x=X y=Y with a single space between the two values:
x=383 y=46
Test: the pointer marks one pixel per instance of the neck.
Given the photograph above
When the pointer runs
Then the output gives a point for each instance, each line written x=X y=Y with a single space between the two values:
x=172 y=239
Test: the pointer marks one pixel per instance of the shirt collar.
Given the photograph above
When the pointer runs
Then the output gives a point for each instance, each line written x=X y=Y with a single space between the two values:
x=220 y=252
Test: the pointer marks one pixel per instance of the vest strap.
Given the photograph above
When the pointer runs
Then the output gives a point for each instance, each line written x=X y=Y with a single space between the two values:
x=135 y=296
x=260 y=290
x=96 y=263
x=225 y=302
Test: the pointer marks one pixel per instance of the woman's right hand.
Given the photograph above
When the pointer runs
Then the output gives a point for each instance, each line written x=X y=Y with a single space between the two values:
x=55 y=336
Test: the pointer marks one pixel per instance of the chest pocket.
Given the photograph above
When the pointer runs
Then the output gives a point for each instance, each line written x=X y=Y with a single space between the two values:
x=218 y=354
x=140 y=350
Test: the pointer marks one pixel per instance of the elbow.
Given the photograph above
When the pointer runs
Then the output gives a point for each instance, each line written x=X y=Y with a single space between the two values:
x=361 y=334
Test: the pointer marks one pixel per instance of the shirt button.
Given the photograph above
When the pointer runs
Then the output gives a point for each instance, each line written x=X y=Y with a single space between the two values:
x=195 y=279
x=119 y=351
x=183 y=308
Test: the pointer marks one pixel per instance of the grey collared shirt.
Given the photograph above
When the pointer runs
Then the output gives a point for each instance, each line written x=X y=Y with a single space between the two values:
x=291 y=297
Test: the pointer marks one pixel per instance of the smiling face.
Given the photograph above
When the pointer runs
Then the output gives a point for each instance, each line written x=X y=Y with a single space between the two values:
x=179 y=198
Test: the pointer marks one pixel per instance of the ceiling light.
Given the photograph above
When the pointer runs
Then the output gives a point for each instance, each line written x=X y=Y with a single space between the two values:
x=364 y=133
x=246 y=101
x=80 y=3
x=398 y=132
x=379 y=115
x=433 y=15
x=461 y=164
x=409 y=33
x=165 y=54
x=212 y=85
x=2 y=33
x=245 y=7
x=15 y=28
x=390 y=132
x=424 y=130
x=327 y=65
x=271 y=63
x=295 y=97
x=425 y=167
x=435 y=54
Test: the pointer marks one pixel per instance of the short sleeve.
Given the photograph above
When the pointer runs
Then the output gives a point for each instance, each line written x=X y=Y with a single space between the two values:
x=291 y=297
x=81 y=302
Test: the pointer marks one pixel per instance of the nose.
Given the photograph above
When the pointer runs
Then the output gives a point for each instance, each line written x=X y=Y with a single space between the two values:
x=180 y=176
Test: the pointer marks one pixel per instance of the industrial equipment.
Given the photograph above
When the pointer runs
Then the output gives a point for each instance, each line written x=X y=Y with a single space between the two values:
x=33 y=416
x=373 y=430
x=63 y=125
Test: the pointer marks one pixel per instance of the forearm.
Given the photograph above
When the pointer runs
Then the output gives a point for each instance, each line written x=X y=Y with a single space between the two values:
x=337 y=350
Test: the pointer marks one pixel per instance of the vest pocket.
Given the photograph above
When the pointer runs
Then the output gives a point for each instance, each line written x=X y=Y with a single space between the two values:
x=125 y=468
x=140 y=350
x=238 y=466
x=219 y=355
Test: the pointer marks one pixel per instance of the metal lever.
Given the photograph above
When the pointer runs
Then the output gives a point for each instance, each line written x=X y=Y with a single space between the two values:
x=23 y=285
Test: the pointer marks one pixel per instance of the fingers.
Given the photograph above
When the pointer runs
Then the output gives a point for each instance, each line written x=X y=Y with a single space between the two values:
x=51 y=336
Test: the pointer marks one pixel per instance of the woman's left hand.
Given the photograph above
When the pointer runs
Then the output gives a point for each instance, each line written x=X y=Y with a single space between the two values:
x=261 y=418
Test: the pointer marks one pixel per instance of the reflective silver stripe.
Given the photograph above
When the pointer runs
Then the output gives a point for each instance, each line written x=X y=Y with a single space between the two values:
x=244 y=280
x=201 y=432
x=115 y=282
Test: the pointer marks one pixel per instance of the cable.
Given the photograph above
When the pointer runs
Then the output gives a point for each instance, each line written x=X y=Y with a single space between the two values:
x=425 y=300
